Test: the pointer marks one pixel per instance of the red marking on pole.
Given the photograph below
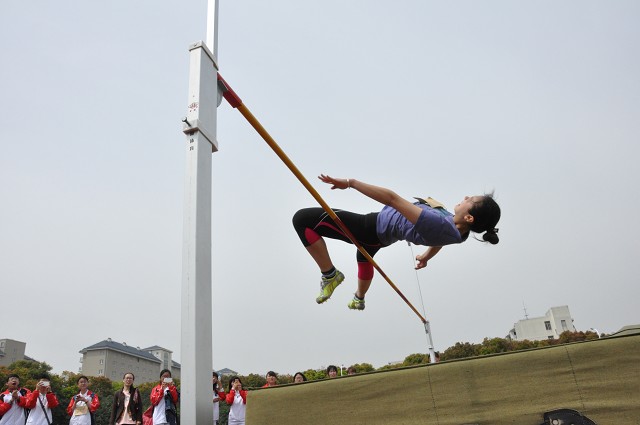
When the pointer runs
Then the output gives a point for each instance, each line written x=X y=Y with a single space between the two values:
x=228 y=93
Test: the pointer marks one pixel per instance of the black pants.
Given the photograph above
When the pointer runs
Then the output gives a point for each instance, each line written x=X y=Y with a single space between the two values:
x=311 y=223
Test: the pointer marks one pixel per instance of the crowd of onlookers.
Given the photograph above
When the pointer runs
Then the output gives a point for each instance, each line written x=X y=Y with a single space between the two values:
x=20 y=406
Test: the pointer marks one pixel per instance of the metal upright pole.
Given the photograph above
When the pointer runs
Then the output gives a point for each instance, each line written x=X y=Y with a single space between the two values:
x=432 y=352
x=200 y=129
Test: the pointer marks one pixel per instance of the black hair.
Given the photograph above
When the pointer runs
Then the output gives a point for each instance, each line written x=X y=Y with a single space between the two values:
x=304 y=378
x=82 y=377
x=13 y=375
x=351 y=369
x=271 y=373
x=163 y=371
x=332 y=367
x=214 y=374
x=486 y=214
x=233 y=378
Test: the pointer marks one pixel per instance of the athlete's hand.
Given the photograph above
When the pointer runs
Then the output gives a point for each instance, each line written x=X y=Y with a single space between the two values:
x=336 y=183
x=421 y=263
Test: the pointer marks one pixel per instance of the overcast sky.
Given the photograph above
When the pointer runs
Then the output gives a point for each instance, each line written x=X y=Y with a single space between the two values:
x=537 y=100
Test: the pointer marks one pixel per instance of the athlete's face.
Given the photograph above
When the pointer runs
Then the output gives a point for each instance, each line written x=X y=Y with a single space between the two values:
x=461 y=211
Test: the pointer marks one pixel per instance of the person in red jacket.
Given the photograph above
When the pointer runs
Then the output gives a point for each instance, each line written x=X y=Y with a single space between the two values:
x=83 y=405
x=40 y=402
x=237 y=399
x=272 y=379
x=13 y=402
x=164 y=398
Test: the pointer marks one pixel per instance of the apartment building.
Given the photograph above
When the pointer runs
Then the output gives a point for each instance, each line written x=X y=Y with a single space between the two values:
x=113 y=359
x=11 y=351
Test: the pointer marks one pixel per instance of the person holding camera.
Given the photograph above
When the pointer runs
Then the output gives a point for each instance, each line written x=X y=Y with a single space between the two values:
x=40 y=402
x=164 y=398
x=13 y=402
x=237 y=399
x=83 y=405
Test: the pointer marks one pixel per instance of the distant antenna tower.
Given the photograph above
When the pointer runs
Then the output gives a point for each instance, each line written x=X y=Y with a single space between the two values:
x=524 y=307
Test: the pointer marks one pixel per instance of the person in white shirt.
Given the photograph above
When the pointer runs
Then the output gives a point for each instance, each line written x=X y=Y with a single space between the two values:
x=41 y=401
x=218 y=394
x=164 y=398
x=237 y=399
x=12 y=402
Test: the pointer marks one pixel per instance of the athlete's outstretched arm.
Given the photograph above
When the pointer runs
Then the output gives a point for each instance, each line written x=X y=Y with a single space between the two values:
x=377 y=193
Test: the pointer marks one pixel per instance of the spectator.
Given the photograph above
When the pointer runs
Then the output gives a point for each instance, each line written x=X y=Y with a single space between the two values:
x=13 y=402
x=272 y=379
x=299 y=377
x=332 y=371
x=351 y=370
x=41 y=401
x=127 y=404
x=218 y=394
x=83 y=405
x=237 y=399
x=164 y=398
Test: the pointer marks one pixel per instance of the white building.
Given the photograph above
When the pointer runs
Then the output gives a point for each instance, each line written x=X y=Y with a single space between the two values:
x=550 y=326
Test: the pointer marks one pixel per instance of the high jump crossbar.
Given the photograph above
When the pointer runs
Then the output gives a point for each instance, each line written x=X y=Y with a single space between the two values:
x=236 y=103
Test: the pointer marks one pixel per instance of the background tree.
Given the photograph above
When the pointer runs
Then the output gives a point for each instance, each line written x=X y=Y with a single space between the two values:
x=523 y=345
x=568 y=336
x=363 y=367
x=494 y=346
x=460 y=350
x=224 y=413
x=415 y=359
x=314 y=375
x=253 y=380
x=390 y=366
x=145 y=393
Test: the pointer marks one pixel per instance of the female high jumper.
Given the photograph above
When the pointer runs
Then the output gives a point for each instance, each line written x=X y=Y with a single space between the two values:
x=425 y=222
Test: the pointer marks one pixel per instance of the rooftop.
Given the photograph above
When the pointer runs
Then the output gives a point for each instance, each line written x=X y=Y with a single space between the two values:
x=109 y=344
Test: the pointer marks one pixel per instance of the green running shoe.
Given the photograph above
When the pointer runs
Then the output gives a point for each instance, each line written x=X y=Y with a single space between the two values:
x=356 y=304
x=327 y=286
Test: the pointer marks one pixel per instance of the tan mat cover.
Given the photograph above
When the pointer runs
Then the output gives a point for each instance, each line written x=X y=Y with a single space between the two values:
x=600 y=379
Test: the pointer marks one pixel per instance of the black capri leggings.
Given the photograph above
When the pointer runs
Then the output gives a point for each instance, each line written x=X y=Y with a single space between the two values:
x=312 y=223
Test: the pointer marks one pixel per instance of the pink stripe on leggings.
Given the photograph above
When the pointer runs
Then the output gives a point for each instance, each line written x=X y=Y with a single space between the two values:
x=365 y=271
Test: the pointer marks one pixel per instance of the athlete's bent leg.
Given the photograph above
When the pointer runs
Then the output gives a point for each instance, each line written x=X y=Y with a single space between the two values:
x=320 y=254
